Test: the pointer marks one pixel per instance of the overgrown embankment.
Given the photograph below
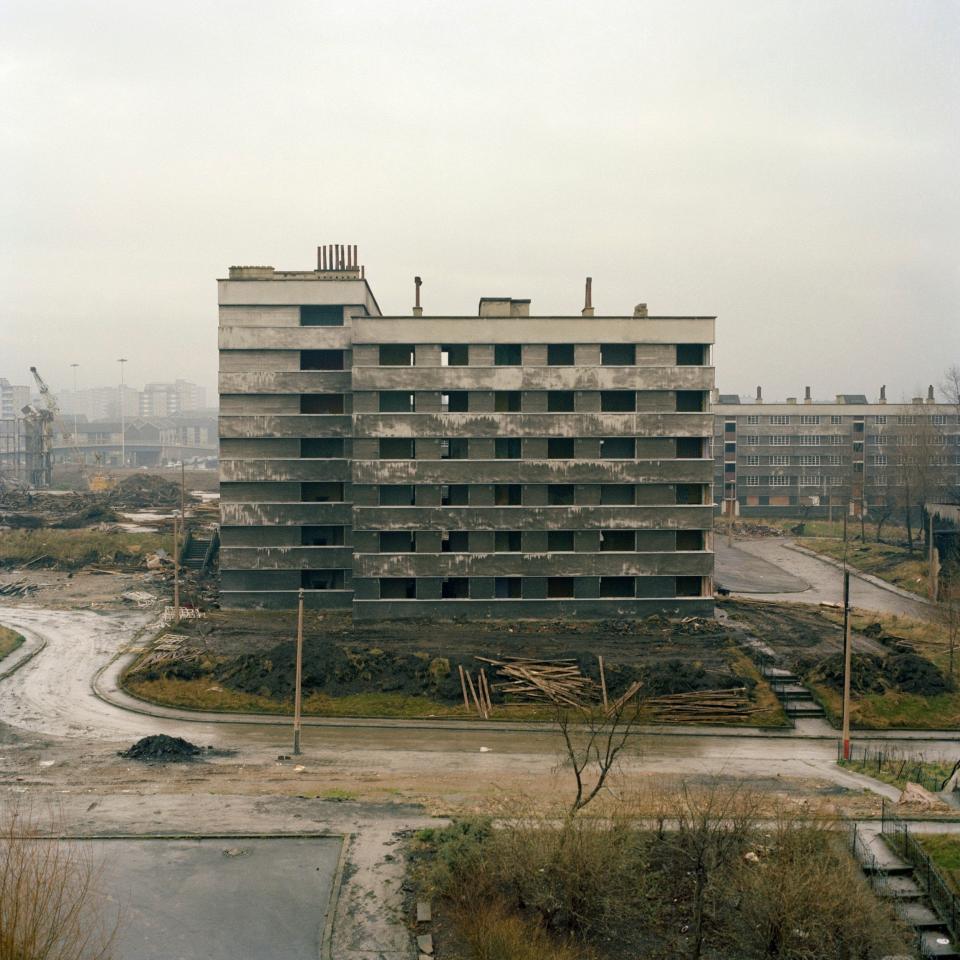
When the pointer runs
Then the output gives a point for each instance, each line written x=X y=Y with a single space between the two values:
x=9 y=641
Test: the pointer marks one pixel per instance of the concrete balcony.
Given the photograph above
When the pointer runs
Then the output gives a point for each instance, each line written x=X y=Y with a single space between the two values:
x=286 y=382
x=285 y=514
x=284 y=338
x=278 y=471
x=286 y=425
x=285 y=558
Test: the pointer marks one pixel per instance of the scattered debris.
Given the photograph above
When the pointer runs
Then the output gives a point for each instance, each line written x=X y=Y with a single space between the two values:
x=914 y=795
x=140 y=597
x=18 y=588
x=556 y=681
x=162 y=748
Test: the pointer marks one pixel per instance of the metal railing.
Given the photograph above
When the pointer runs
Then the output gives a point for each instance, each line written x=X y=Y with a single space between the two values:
x=901 y=766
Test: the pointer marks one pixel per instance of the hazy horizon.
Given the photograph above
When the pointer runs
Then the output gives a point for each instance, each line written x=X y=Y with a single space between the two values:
x=788 y=167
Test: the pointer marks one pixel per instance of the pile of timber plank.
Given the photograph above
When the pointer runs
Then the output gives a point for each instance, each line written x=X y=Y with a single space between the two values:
x=553 y=681
x=18 y=588
x=702 y=706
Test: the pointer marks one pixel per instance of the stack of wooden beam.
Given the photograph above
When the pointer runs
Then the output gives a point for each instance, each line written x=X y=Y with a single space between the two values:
x=702 y=706
x=554 y=681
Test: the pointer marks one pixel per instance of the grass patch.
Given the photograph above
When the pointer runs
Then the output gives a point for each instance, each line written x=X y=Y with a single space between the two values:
x=769 y=711
x=898 y=770
x=337 y=796
x=72 y=549
x=9 y=641
x=944 y=850
x=891 y=563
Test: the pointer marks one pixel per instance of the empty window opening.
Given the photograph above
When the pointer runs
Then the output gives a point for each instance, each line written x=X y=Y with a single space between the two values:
x=398 y=588
x=690 y=493
x=618 y=401
x=507 y=448
x=620 y=541
x=455 y=495
x=559 y=588
x=560 y=401
x=321 y=359
x=455 y=448
x=689 y=448
x=454 y=355
x=397 y=401
x=321 y=403
x=396 y=448
x=689 y=587
x=689 y=539
x=397 y=495
x=617 y=448
x=560 y=354
x=321 y=448
x=618 y=355
x=506 y=401
x=507 y=541
x=618 y=494
x=328 y=492
x=508 y=494
x=457 y=401
x=321 y=536
x=455 y=541
x=617 y=587
x=507 y=588
x=691 y=354
x=561 y=495
x=321 y=316
x=399 y=541
x=507 y=355
x=321 y=579
x=560 y=448
x=560 y=540
x=397 y=355
x=455 y=588
x=691 y=401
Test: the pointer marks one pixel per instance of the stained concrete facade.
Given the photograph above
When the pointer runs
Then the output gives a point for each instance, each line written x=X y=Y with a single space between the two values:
x=500 y=465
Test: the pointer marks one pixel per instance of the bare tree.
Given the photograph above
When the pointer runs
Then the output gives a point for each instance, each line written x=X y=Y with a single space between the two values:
x=920 y=471
x=949 y=609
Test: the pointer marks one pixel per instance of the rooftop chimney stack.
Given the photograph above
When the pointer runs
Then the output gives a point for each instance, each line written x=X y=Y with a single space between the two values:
x=417 y=309
x=930 y=396
x=588 y=299
x=806 y=395
x=759 y=395
x=640 y=310
x=883 y=393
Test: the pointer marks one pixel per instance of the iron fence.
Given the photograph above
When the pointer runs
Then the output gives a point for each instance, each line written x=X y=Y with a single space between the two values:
x=903 y=767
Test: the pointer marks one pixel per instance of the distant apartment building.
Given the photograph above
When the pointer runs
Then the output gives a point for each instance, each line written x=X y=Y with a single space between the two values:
x=167 y=399
x=816 y=458
x=13 y=398
x=100 y=403
x=497 y=465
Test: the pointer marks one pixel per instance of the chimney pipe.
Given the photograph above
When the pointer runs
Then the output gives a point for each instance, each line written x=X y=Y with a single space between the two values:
x=806 y=395
x=588 y=299
x=354 y=258
x=417 y=309
x=930 y=397
x=883 y=393
x=640 y=310
x=759 y=395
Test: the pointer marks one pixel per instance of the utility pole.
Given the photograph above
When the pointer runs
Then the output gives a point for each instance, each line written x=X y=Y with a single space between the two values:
x=299 y=676
x=123 y=431
x=76 y=400
x=846 y=664
x=176 y=571
x=932 y=572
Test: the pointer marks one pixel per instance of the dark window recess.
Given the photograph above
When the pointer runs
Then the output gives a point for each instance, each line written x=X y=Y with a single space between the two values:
x=730 y=467
x=559 y=587
x=858 y=426
x=455 y=541
x=689 y=448
x=454 y=355
x=457 y=401
x=691 y=354
x=621 y=541
x=506 y=401
x=507 y=588
x=689 y=493
x=455 y=588
x=321 y=316
x=507 y=541
x=455 y=495
x=618 y=494
x=400 y=541
x=396 y=401
x=560 y=448
x=560 y=401
x=689 y=539
x=396 y=448
x=397 y=355
x=561 y=495
x=507 y=355
x=507 y=494
x=507 y=448
x=764 y=502
x=560 y=354
x=690 y=401
x=321 y=579
x=618 y=355
x=321 y=403
x=617 y=448
x=617 y=587
x=730 y=426
x=455 y=448
x=618 y=401
x=397 y=495
x=321 y=536
x=321 y=359
x=730 y=448
x=561 y=540
x=328 y=492
x=858 y=467
x=398 y=588
x=689 y=587
x=321 y=448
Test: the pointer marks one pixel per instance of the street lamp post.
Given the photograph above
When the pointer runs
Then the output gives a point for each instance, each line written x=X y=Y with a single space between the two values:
x=123 y=431
x=76 y=400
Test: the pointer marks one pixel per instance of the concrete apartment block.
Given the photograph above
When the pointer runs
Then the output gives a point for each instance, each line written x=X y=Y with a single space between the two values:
x=816 y=459
x=500 y=465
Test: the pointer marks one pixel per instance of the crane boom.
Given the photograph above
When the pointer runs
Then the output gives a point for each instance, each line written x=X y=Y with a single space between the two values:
x=49 y=400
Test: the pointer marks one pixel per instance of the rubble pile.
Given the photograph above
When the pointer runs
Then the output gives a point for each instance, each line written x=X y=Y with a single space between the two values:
x=160 y=747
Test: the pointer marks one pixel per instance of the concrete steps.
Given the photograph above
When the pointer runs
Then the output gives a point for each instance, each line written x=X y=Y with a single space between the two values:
x=196 y=552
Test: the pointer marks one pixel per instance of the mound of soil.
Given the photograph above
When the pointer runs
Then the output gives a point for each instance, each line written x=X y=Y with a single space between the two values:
x=903 y=671
x=161 y=747
x=146 y=490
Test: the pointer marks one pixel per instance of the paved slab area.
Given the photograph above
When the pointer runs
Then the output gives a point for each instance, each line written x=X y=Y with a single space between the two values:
x=742 y=572
x=219 y=899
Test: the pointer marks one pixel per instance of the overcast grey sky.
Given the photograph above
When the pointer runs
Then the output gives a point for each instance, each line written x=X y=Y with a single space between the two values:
x=789 y=166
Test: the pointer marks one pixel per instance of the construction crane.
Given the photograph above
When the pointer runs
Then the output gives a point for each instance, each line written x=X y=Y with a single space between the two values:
x=39 y=435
